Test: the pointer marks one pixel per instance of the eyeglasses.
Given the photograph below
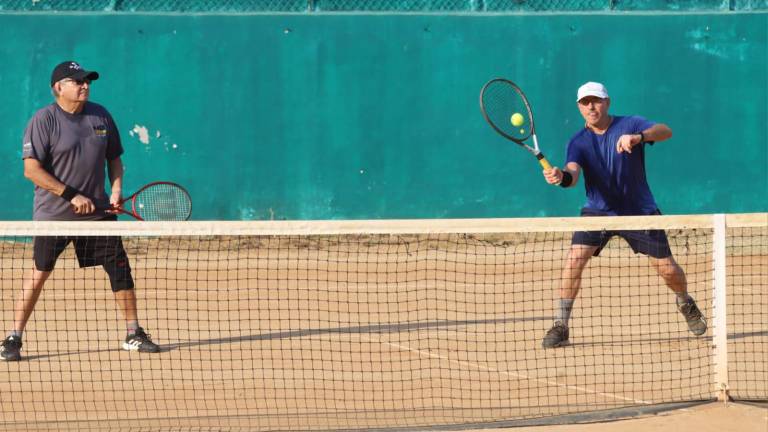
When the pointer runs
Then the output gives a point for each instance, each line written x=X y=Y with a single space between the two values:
x=77 y=82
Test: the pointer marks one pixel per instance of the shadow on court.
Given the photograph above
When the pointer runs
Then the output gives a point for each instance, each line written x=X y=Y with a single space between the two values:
x=391 y=328
x=645 y=340
x=369 y=329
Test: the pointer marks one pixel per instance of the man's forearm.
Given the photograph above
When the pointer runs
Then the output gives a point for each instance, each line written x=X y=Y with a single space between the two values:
x=116 y=176
x=657 y=132
x=42 y=178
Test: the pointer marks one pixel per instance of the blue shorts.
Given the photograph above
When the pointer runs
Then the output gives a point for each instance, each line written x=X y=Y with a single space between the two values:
x=653 y=243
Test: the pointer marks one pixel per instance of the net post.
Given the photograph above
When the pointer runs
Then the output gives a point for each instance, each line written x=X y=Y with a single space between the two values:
x=719 y=309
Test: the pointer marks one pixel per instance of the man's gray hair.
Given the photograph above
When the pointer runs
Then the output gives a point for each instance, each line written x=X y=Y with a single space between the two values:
x=53 y=90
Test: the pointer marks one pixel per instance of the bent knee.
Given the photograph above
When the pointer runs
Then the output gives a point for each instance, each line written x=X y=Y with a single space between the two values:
x=669 y=269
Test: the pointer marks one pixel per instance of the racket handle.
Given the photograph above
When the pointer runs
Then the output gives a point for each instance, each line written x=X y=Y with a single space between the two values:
x=543 y=161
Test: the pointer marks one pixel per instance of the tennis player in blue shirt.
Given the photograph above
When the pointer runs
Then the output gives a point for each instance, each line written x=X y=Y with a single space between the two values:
x=610 y=152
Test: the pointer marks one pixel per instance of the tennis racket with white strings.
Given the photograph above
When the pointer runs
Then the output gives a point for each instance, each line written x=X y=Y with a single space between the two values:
x=157 y=201
x=507 y=110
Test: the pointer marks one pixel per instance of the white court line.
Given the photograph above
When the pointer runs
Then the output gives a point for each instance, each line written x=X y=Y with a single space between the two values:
x=501 y=372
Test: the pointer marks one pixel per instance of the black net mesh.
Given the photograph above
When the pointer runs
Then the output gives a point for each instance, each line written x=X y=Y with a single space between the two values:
x=365 y=331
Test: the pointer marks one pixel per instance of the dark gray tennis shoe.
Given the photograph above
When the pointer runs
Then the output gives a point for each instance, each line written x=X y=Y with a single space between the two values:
x=696 y=322
x=11 y=349
x=557 y=336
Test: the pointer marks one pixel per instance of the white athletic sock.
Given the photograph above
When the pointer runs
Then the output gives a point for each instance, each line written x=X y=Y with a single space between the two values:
x=563 y=308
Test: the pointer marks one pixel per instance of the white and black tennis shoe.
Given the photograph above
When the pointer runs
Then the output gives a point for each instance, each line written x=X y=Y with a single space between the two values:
x=141 y=342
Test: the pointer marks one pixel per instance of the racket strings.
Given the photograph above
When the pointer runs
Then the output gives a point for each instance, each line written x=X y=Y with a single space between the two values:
x=163 y=202
x=506 y=110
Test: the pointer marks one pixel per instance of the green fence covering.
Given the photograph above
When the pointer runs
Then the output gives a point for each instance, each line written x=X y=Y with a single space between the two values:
x=475 y=6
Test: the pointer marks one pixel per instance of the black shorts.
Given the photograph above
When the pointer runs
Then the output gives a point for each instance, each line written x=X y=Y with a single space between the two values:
x=653 y=243
x=107 y=252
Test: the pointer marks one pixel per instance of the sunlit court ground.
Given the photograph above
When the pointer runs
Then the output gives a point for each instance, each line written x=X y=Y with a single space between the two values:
x=375 y=332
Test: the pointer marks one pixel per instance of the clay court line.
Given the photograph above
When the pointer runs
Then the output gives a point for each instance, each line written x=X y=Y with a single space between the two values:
x=513 y=374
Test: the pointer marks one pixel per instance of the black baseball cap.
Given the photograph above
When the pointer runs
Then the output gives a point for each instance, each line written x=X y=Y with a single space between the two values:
x=71 y=69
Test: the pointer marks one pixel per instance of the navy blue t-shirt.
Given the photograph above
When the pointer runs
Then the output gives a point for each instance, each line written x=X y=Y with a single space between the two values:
x=615 y=182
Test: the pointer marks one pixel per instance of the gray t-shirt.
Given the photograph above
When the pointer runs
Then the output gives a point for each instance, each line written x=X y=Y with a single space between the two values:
x=73 y=148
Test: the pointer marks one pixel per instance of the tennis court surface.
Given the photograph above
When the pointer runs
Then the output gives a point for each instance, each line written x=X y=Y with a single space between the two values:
x=381 y=325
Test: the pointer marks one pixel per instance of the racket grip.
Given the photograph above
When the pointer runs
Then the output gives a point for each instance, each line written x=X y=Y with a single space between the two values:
x=543 y=161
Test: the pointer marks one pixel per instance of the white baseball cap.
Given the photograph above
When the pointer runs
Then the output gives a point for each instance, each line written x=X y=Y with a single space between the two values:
x=592 y=89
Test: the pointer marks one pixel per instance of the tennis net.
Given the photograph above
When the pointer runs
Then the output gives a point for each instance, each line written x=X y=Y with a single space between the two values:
x=380 y=324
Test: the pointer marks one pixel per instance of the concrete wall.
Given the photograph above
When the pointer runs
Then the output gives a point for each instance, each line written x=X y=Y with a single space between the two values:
x=328 y=116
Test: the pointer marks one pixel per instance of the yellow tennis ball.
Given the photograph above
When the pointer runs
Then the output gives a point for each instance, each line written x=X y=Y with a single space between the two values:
x=517 y=119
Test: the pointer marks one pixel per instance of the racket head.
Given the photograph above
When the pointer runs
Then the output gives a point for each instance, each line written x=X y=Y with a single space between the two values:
x=161 y=201
x=500 y=100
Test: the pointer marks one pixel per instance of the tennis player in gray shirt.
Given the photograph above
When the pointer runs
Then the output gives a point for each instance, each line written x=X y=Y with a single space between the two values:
x=66 y=148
